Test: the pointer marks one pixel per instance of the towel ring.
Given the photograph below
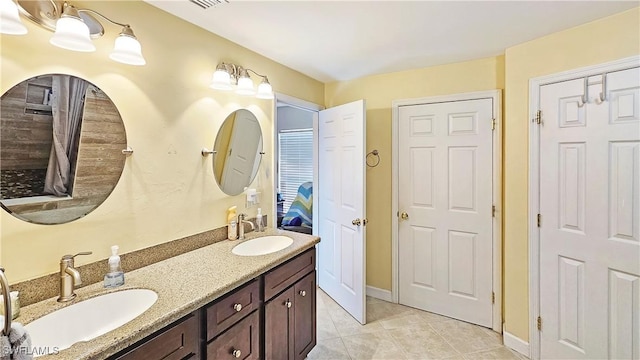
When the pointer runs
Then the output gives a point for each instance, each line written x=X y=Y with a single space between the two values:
x=373 y=153
x=7 y=303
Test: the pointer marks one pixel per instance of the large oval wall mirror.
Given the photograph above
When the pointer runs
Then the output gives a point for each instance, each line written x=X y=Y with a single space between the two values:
x=61 y=142
x=238 y=151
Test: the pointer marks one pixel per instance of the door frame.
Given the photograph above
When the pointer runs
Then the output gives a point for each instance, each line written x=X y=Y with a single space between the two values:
x=496 y=96
x=302 y=105
x=534 y=179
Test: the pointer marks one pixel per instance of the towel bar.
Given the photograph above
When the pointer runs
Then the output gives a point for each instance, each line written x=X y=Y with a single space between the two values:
x=7 y=303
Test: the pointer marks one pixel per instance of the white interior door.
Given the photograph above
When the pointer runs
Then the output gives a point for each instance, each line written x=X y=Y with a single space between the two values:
x=341 y=196
x=445 y=238
x=590 y=218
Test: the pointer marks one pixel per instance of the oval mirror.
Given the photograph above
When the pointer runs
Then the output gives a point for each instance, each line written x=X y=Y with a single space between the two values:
x=238 y=151
x=61 y=142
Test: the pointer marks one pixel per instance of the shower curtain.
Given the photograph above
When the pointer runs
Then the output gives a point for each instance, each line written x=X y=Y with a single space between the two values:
x=67 y=107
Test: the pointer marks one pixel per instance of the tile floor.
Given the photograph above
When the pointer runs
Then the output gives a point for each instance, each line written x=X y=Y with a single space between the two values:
x=401 y=333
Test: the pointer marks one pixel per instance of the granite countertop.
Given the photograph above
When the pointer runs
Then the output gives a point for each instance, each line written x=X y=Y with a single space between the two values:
x=184 y=284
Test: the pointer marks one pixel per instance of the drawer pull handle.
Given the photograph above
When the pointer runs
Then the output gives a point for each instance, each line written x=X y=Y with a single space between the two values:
x=287 y=304
x=237 y=307
x=303 y=293
x=236 y=353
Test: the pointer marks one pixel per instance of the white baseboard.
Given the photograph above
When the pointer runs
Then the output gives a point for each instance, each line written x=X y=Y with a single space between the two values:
x=378 y=293
x=513 y=342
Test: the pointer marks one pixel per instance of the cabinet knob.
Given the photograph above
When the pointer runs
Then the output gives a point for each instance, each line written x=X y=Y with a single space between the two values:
x=237 y=307
x=287 y=303
x=236 y=353
x=303 y=293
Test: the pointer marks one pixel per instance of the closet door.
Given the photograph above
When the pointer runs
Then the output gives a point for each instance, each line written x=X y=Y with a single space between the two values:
x=590 y=218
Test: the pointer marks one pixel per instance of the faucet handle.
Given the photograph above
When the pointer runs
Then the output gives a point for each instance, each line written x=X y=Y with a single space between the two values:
x=70 y=257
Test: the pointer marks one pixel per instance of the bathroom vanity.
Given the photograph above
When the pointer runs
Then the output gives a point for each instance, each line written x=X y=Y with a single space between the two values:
x=212 y=304
x=270 y=317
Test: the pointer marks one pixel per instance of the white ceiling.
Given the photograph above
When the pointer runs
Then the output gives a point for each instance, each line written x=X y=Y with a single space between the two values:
x=342 y=40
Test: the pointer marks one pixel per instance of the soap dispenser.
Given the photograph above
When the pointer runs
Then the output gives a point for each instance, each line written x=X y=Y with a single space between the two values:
x=259 y=221
x=115 y=276
x=232 y=224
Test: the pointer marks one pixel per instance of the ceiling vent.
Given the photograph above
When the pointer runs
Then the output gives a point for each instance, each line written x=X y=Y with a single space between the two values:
x=205 y=4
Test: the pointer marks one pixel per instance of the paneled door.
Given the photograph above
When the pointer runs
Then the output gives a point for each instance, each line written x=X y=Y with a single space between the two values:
x=590 y=218
x=341 y=196
x=445 y=230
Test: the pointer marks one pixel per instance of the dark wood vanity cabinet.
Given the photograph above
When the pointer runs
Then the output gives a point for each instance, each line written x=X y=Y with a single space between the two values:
x=290 y=316
x=271 y=317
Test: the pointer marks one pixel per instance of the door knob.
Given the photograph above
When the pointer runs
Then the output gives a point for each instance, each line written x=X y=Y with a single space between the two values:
x=288 y=304
x=236 y=353
x=404 y=215
x=237 y=307
x=356 y=222
x=303 y=293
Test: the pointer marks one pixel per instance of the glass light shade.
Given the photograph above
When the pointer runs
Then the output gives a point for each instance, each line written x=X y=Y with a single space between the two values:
x=264 y=90
x=221 y=80
x=72 y=34
x=245 y=86
x=127 y=50
x=10 y=22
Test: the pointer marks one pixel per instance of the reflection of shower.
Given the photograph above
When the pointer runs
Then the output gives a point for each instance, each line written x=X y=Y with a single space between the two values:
x=67 y=108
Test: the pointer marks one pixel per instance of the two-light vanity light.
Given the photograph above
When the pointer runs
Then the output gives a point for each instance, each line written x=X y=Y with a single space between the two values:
x=73 y=27
x=230 y=76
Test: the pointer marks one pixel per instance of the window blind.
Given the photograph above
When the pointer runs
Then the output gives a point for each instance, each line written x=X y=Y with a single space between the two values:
x=295 y=162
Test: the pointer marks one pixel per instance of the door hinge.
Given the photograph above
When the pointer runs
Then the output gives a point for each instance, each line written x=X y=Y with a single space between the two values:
x=493 y=211
x=493 y=298
x=539 y=220
x=493 y=124
x=538 y=118
x=539 y=323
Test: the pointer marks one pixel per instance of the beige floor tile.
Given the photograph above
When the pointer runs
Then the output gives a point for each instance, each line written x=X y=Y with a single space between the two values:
x=501 y=353
x=413 y=321
x=331 y=349
x=464 y=337
x=324 y=326
x=347 y=325
x=376 y=345
x=385 y=310
x=419 y=344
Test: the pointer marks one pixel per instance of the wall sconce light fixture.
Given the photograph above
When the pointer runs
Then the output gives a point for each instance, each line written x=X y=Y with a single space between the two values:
x=227 y=76
x=73 y=28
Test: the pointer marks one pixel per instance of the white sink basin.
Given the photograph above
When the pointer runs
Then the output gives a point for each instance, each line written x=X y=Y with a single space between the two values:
x=262 y=245
x=87 y=319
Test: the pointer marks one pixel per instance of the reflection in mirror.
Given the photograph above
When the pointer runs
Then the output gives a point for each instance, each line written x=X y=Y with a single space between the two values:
x=238 y=150
x=61 y=141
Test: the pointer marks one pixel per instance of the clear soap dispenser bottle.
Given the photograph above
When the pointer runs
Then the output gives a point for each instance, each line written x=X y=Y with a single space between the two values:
x=115 y=276
x=259 y=221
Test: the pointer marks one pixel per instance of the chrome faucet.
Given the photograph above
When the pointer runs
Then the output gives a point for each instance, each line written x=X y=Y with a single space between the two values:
x=241 y=222
x=69 y=277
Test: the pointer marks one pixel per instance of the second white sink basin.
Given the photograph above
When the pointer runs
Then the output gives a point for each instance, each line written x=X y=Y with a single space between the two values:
x=262 y=245
x=87 y=319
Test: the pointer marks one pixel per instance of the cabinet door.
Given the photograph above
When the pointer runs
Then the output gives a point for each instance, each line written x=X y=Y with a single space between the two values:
x=241 y=341
x=277 y=335
x=304 y=316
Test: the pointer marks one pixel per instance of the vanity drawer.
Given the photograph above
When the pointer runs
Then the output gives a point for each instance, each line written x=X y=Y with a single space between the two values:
x=176 y=342
x=231 y=308
x=241 y=341
x=288 y=273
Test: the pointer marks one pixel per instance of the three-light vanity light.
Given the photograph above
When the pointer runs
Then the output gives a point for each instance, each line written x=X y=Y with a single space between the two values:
x=230 y=76
x=73 y=28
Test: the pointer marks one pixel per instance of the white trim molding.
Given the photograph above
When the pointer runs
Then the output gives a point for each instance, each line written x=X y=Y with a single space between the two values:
x=534 y=181
x=496 y=96
x=515 y=343
x=378 y=293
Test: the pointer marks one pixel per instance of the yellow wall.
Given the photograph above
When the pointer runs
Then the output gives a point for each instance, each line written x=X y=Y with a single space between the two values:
x=379 y=91
x=600 y=41
x=167 y=189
